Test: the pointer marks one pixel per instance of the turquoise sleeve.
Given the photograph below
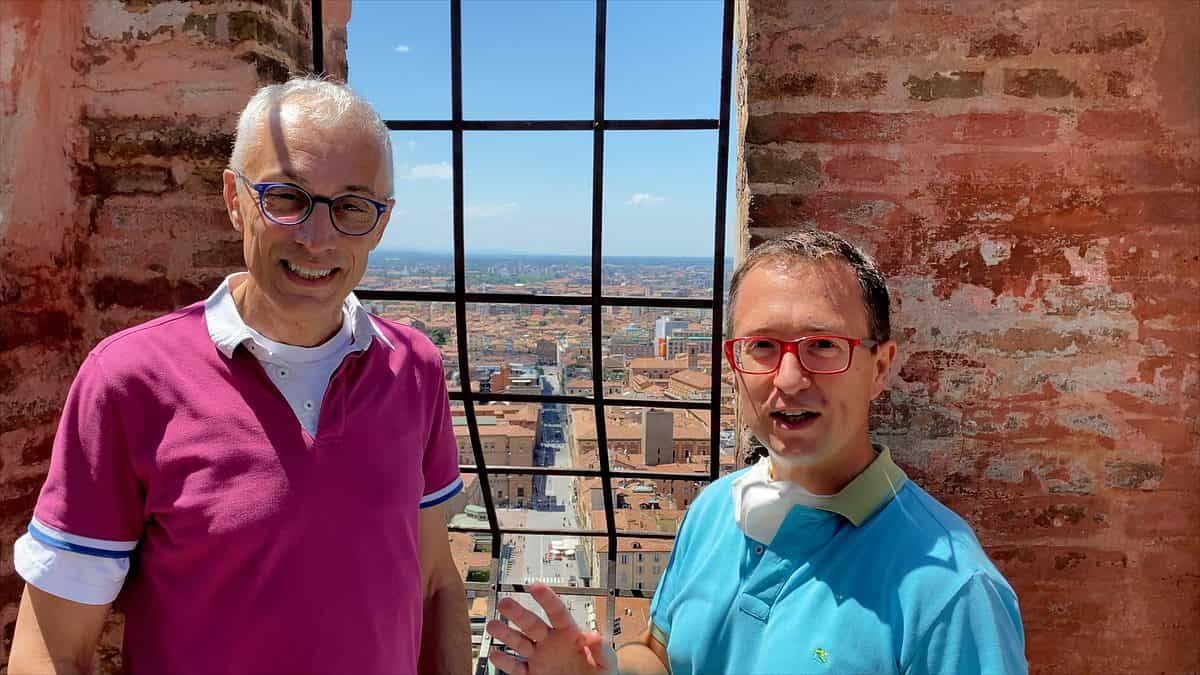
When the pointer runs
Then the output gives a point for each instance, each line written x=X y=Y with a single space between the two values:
x=978 y=632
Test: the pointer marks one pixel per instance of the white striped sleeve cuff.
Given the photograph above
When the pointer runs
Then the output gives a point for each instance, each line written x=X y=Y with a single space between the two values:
x=439 y=496
x=81 y=569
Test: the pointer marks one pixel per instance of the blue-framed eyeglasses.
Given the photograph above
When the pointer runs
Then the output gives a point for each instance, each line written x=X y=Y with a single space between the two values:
x=289 y=205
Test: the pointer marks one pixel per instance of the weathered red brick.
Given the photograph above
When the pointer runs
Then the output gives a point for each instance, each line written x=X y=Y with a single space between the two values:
x=774 y=165
x=1014 y=128
x=1132 y=475
x=834 y=210
x=42 y=327
x=1039 y=82
x=37 y=447
x=928 y=366
x=956 y=84
x=132 y=180
x=155 y=294
x=1000 y=45
x=224 y=253
x=829 y=127
x=1101 y=44
x=1119 y=125
x=862 y=169
x=818 y=85
x=175 y=137
x=1165 y=207
x=1118 y=83
x=263 y=29
x=1007 y=167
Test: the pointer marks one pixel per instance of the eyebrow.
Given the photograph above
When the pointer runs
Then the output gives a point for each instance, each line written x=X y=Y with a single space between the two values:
x=292 y=176
x=807 y=330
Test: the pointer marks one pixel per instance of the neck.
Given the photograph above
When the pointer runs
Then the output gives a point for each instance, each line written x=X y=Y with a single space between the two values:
x=260 y=314
x=827 y=478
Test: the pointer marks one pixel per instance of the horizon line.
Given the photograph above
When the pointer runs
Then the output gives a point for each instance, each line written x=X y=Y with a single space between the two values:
x=382 y=250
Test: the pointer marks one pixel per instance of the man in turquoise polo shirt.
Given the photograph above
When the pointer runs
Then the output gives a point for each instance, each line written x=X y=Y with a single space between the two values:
x=822 y=557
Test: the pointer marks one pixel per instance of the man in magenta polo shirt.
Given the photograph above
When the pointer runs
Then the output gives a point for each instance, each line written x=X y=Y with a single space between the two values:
x=259 y=476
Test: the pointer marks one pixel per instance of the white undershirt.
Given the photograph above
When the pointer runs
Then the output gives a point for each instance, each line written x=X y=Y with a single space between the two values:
x=302 y=373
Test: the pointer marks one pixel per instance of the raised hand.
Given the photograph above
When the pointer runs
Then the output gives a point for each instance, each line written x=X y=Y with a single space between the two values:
x=558 y=649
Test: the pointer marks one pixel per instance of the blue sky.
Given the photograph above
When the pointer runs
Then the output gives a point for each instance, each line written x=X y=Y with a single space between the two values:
x=531 y=191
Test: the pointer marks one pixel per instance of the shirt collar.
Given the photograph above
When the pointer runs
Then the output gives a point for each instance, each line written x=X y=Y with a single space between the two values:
x=761 y=504
x=228 y=330
x=870 y=490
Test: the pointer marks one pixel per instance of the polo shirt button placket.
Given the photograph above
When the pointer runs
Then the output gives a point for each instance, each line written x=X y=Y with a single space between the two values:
x=758 y=549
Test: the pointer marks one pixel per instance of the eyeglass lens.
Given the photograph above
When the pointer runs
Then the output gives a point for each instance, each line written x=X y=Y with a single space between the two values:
x=288 y=206
x=820 y=355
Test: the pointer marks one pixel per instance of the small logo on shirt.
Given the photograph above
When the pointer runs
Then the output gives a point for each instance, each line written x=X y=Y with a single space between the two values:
x=821 y=655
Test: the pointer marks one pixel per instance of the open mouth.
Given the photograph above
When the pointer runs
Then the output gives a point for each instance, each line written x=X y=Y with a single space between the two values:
x=305 y=273
x=795 y=418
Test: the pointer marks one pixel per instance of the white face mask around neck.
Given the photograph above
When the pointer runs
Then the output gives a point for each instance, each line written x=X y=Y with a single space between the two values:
x=760 y=504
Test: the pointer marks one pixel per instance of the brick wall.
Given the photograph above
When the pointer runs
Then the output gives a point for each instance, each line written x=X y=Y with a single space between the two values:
x=1026 y=172
x=116 y=118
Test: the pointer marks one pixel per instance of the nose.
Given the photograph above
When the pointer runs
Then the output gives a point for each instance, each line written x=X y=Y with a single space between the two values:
x=791 y=376
x=317 y=232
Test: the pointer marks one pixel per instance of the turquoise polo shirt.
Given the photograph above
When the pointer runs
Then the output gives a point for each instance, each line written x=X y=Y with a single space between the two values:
x=881 y=579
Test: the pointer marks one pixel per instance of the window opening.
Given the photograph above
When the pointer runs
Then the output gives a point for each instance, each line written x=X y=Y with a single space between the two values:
x=488 y=535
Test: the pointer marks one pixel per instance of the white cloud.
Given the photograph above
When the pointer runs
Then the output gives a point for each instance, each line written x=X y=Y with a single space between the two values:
x=641 y=198
x=490 y=210
x=402 y=49
x=439 y=171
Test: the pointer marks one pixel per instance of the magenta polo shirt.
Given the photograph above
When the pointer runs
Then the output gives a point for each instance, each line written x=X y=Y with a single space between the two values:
x=260 y=549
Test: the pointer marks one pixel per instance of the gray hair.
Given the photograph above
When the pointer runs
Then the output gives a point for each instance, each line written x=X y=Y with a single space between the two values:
x=322 y=101
x=815 y=245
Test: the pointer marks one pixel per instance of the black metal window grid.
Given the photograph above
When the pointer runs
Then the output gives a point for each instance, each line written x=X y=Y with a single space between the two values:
x=598 y=125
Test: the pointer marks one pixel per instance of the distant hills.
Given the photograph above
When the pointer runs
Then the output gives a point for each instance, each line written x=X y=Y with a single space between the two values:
x=495 y=256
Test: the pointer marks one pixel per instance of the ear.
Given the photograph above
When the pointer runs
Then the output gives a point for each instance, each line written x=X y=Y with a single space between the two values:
x=229 y=192
x=885 y=354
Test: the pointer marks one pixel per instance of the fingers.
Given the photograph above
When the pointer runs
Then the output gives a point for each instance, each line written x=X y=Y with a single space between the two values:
x=556 y=611
x=600 y=650
x=527 y=621
x=507 y=663
x=513 y=638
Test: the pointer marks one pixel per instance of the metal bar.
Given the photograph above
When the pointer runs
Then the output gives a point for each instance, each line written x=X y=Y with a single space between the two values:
x=714 y=419
x=560 y=590
x=318 y=37
x=661 y=125
x=610 y=520
x=460 y=279
x=697 y=124
x=673 y=404
x=583 y=473
x=624 y=534
x=531 y=299
x=460 y=307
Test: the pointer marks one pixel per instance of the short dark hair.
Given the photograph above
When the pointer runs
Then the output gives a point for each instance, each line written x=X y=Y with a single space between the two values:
x=816 y=245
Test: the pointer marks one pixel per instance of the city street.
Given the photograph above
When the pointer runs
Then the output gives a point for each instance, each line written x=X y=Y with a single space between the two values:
x=552 y=509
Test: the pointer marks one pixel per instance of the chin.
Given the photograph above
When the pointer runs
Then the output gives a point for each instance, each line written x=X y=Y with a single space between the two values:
x=798 y=457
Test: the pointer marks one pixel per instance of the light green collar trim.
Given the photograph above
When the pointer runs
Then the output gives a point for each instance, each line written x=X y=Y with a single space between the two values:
x=870 y=490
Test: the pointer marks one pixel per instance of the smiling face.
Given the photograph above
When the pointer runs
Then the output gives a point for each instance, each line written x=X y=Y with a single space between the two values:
x=300 y=275
x=814 y=426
